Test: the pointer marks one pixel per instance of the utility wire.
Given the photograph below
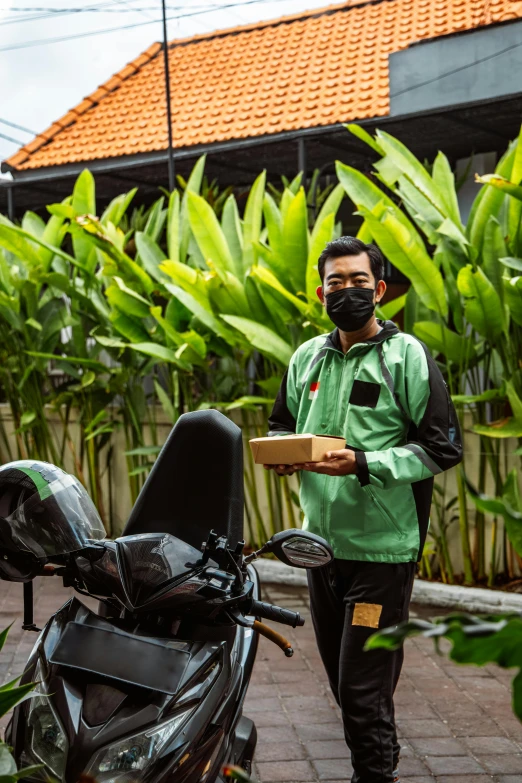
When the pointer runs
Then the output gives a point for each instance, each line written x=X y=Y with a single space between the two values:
x=18 y=127
x=59 y=39
x=10 y=138
x=104 y=8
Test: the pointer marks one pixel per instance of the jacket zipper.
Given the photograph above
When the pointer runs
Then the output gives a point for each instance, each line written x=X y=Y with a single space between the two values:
x=383 y=511
x=325 y=483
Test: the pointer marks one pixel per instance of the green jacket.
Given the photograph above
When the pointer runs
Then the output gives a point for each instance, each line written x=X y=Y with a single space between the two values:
x=387 y=397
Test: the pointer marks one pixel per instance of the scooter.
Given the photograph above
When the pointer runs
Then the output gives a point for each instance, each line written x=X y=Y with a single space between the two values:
x=151 y=686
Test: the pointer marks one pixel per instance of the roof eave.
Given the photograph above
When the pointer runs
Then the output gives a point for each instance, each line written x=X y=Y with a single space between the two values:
x=148 y=158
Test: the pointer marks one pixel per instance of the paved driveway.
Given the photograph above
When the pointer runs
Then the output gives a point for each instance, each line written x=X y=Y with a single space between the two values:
x=455 y=722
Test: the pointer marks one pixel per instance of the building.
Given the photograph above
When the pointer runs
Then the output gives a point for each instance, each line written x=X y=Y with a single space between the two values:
x=439 y=74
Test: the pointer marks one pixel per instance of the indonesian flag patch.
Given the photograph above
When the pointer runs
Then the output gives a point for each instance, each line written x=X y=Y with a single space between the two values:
x=314 y=388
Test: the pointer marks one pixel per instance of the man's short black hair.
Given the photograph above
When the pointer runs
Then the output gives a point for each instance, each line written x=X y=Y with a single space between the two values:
x=351 y=246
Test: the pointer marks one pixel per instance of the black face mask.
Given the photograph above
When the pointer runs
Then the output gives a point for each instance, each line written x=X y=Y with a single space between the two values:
x=350 y=308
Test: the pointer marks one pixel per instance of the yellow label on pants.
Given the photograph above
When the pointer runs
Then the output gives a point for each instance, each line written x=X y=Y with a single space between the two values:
x=367 y=615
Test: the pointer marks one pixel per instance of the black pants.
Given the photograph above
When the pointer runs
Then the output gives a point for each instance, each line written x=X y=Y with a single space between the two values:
x=349 y=600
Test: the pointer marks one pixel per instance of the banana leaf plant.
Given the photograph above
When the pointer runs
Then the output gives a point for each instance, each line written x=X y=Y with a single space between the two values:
x=474 y=640
x=464 y=300
x=12 y=694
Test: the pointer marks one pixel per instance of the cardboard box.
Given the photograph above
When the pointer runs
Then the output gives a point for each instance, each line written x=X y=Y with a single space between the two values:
x=292 y=449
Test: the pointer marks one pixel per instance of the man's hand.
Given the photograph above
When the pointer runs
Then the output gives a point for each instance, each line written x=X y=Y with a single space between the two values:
x=282 y=470
x=337 y=463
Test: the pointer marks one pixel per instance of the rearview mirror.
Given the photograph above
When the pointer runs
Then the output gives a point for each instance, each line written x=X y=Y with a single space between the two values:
x=300 y=549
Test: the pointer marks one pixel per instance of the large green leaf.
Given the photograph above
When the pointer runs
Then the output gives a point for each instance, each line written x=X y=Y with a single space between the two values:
x=252 y=221
x=80 y=360
x=161 y=353
x=502 y=184
x=268 y=278
x=151 y=256
x=493 y=249
x=364 y=136
x=17 y=242
x=3 y=636
x=263 y=339
x=173 y=226
x=506 y=428
x=475 y=640
x=125 y=299
x=425 y=215
x=165 y=401
x=514 y=211
x=156 y=220
x=117 y=208
x=514 y=399
x=488 y=202
x=231 y=225
x=455 y=347
x=412 y=168
x=390 y=309
x=201 y=312
x=508 y=506
x=321 y=235
x=486 y=396
x=407 y=255
x=227 y=294
x=513 y=294
x=444 y=180
x=482 y=306
x=513 y=513
x=193 y=186
x=330 y=207
x=33 y=224
x=7 y=764
x=448 y=260
x=263 y=310
x=84 y=203
x=274 y=255
x=129 y=326
x=125 y=265
x=295 y=240
x=154 y=350
x=512 y=263
x=361 y=190
x=11 y=697
x=367 y=195
x=209 y=234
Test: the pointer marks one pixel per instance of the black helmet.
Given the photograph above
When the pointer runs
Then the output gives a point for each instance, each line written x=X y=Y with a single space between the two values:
x=44 y=513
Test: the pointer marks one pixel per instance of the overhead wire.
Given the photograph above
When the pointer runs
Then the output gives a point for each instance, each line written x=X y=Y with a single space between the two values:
x=14 y=141
x=49 y=13
x=104 y=8
x=60 y=39
x=17 y=127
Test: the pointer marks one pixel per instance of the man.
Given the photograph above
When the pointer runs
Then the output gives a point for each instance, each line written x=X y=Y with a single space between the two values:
x=383 y=392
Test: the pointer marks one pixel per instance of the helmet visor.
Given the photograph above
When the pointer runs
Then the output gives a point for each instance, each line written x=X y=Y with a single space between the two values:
x=57 y=519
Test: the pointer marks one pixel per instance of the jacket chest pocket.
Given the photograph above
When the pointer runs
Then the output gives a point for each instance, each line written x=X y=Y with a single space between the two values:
x=365 y=393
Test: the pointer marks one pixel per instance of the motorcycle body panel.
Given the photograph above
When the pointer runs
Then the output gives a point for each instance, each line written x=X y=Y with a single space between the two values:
x=97 y=708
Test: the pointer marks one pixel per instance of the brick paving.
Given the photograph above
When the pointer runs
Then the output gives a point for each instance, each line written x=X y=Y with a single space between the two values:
x=455 y=723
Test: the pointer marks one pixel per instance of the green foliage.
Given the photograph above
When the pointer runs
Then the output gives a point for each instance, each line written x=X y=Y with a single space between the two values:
x=202 y=298
x=12 y=694
x=465 y=304
x=474 y=640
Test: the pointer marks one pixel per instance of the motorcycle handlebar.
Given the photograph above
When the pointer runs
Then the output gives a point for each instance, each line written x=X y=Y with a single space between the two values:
x=276 y=613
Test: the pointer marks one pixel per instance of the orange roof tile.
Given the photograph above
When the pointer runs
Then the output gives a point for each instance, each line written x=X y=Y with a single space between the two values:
x=325 y=66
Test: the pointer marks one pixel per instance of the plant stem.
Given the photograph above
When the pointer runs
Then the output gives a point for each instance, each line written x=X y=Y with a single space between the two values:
x=464 y=528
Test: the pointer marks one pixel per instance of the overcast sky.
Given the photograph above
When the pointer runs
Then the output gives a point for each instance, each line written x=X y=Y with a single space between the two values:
x=39 y=83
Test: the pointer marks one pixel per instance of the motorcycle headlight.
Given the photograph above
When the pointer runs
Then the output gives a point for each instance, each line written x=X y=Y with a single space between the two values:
x=116 y=763
x=47 y=741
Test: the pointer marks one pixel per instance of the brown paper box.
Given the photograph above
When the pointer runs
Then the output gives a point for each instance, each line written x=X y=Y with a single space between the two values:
x=292 y=449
